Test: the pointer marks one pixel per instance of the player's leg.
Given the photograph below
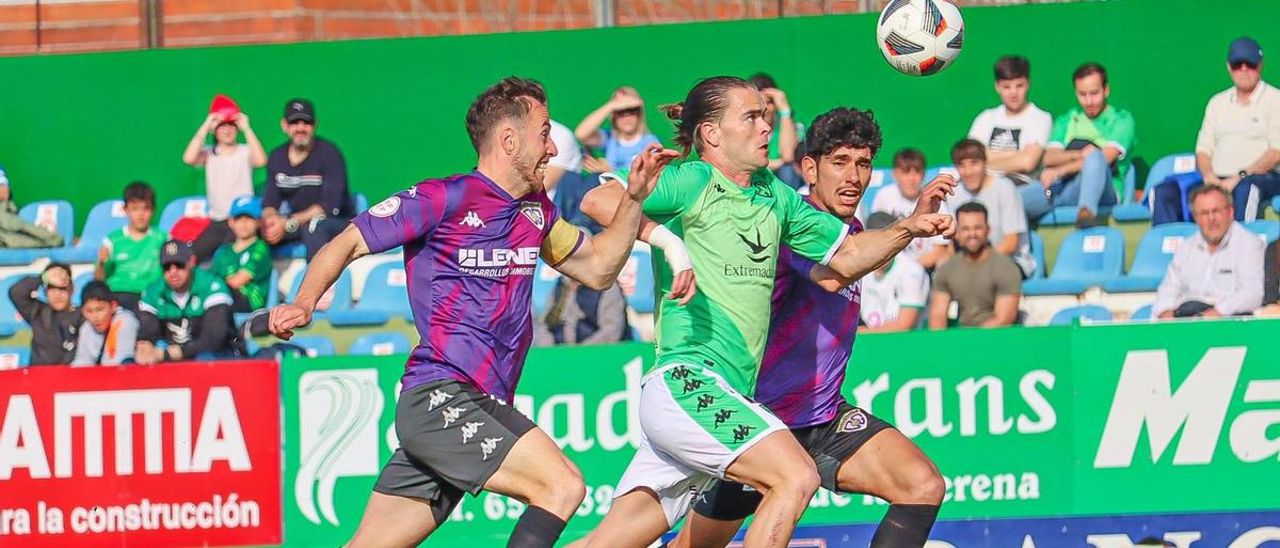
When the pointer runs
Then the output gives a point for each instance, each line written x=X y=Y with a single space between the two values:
x=783 y=473
x=879 y=460
x=635 y=520
x=717 y=516
x=408 y=503
x=537 y=473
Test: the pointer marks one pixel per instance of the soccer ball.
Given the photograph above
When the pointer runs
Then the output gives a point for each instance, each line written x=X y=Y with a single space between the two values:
x=920 y=37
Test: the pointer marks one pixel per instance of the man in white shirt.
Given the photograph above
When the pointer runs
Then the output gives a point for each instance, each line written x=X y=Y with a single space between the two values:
x=1216 y=272
x=893 y=296
x=564 y=180
x=1015 y=132
x=899 y=200
x=1005 y=213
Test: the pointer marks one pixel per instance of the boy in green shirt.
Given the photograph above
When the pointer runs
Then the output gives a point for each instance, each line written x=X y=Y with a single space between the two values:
x=129 y=259
x=245 y=264
x=1090 y=151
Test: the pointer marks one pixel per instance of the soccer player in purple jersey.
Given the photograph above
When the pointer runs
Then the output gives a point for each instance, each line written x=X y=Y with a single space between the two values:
x=814 y=320
x=470 y=245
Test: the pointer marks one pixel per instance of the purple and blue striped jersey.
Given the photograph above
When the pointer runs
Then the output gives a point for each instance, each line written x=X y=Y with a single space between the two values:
x=470 y=250
x=811 y=335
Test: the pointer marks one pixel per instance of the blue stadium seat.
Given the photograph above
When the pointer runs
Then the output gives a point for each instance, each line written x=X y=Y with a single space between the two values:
x=10 y=321
x=1091 y=312
x=1066 y=214
x=545 y=279
x=56 y=215
x=1275 y=204
x=642 y=299
x=380 y=344
x=880 y=179
x=273 y=289
x=1087 y=258
x=103 y=219
x=190 y=206
x=1267 y=229
x=78 y=286
x=1152 y=258
x=14 y=357
x=1173 y=164
x=315 y=345
x=340 y=291
x=1037 y=252
x=362 y=202
x=1143 y=313
x=386 y=294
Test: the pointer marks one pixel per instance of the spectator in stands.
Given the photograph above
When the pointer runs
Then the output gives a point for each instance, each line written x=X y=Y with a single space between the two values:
x=1005 y=214
x=893 y=297
x=228 y=167
x=53 y=323
x=16 y=233
x=786 y=131
x=129 y=257
x=899 y=200
x=1016 y=131
x=986 y=285
x=309 y=175
x=564 y=180
x=1216 y=272
x=627 y=134
x=109 y=333
x=190 y=310
x=245 y=263
x=1089 y=147
x=580 y=315
x=1238 y=147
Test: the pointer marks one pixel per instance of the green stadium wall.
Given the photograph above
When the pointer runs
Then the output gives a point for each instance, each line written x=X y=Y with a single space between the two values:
x=78 y=127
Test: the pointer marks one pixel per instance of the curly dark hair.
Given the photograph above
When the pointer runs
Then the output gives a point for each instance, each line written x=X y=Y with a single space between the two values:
x=509 y=98
x=842 y=126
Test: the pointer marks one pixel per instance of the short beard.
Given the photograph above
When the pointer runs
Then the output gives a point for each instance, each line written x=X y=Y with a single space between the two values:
x=301 y=143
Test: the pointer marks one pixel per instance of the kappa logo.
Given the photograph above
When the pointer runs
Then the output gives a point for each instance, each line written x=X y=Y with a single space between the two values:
x=533 y=212
x=436 y=398
x=757 y=250
x=680 y=372
x=723 y=415
x=451 y=415
x=741 y=432
x=692 y=384
x=487 y=446
x=853 y=420
x=472 y=220
x=338 y=431
x=469 y=430
x=705 y=401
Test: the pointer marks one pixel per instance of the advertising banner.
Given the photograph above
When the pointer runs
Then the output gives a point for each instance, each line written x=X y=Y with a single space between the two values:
x=1023 y=423
x=170 y=455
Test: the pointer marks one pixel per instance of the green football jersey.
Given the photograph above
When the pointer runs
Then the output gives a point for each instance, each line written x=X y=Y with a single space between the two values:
x=254 y=259
x=133 y=264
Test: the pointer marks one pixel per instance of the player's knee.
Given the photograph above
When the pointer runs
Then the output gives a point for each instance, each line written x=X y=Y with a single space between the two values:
x=561 y=493
x=924 y=485
x=799 y=483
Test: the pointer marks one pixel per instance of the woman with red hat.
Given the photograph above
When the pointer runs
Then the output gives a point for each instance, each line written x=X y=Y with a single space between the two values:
x=228 y=166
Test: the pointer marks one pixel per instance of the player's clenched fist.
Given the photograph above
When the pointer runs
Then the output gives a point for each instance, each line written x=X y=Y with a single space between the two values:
x=645 y=170
x=287 y=317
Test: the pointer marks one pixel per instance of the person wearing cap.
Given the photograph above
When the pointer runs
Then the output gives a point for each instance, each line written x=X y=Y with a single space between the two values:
x=189 y=310
x=309 y=175
x=894 y=296
x=245 y=264
x=1238 y=147
x=53 y=320
x=228 y=166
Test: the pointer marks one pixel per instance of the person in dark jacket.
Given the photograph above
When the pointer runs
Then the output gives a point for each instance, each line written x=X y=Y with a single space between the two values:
x=189 y=309
x=54 y=324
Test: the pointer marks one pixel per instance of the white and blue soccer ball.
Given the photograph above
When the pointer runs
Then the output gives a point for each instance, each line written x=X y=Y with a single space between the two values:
x=920 y=37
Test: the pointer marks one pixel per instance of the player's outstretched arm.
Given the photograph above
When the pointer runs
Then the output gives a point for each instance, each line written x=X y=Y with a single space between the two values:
x=322 y=271
x=598 y=260
x=861 y=254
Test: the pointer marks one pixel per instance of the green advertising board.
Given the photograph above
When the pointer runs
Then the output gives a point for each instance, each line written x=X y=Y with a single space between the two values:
x=1062 y=421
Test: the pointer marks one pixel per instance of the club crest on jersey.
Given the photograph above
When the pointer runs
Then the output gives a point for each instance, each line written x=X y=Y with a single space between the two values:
x=853 y=421
x=386 y=208
x=533 y=212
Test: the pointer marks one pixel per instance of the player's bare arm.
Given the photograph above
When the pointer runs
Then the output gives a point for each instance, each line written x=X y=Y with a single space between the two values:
x=322 y=271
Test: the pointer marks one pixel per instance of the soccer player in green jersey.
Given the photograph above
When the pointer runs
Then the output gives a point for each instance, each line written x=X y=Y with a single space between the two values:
x=732 y=214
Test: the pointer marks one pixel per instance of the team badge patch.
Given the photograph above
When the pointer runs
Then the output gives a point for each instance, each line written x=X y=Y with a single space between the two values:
x=533 y=212
x=386 y=208
x=853 y=421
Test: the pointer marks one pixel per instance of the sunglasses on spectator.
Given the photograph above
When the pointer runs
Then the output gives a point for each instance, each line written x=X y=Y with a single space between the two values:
x=1241 y=64
x=57 y=288
x=171 y=266
x=628 y=112
x=303 y=122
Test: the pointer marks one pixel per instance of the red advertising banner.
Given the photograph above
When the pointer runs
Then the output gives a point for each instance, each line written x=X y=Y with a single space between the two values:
x=170 y=455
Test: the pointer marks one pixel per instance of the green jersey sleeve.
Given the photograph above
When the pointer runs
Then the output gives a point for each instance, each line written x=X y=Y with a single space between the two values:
x=1121 y=133
x=259 y=261
x=677 y=189
x=1058 y=136
x=807 y=231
